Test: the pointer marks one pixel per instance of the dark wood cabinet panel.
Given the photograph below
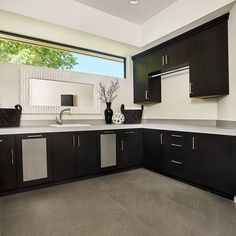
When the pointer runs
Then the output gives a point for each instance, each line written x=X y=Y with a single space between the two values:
x=130 y=146
x=7 y=163
x=208 y=51
x=211 y=161
x=141 y=80
x=175 y=154
x=87 y=157
x=63 y=156
x=156 y=60
x=177 y=55
x=153 y=149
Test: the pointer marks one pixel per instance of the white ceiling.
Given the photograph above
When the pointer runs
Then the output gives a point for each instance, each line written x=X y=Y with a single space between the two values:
x=138 y=13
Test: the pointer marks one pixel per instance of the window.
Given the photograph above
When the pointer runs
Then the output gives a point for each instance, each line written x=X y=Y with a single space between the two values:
x=30 y=51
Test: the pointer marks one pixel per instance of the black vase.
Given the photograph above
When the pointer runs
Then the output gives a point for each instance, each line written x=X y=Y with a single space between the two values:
x=108 y=113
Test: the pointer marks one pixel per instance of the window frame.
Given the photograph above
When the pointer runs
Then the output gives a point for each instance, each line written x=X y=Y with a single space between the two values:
x=66 y=47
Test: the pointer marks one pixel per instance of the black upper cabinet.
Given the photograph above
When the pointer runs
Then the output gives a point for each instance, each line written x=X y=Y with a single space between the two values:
x=7 y=163
x=63 y=153
x=87 y=157
x=145 y=90
x=130 y=146
x=204 y=49
x=208 y=51
x=153 y=149
x=211 y=161
x=177 y=55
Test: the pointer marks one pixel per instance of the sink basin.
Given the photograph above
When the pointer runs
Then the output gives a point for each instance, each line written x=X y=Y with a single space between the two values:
x=69 y=125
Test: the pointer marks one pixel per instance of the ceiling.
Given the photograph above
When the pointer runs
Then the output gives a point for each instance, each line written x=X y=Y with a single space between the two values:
x=138 y=13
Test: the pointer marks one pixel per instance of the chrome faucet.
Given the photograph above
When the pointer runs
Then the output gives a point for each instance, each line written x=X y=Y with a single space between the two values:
x=60 y=121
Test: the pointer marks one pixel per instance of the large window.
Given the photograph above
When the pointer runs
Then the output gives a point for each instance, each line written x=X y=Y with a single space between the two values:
x=30 y=51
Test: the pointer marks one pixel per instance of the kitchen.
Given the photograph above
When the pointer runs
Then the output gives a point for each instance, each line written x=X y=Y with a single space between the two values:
x=66 y=170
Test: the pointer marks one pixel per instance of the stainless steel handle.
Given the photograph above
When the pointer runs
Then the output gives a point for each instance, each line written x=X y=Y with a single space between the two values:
x=122 y=145
x=163 y=60
x=166 y=59
x=169 y=72
x=1 y=141
x=176 y=136
x=177 y=162
x=190 y=88
x=73 y=141
x=130 y=132
x=161 y=138
x=35 y=136
x=78 y=140
x=193 y=143
x=12 y=157
x=176 y=145
x=146 y=95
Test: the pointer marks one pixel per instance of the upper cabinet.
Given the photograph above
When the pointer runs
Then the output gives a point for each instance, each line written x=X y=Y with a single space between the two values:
x=145 y=90
x=208 y=54
x=204 y=49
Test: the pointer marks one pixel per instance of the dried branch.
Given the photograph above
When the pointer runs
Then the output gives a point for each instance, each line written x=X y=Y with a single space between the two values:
x=110 y=95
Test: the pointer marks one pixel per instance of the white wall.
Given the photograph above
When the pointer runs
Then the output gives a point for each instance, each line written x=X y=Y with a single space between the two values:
x=176 y=103
x=227 y=105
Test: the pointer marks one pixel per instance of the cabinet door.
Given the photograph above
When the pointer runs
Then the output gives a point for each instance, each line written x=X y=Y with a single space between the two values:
x=63 y=152
x=87 y=157
x=153 y=156
x=211 y=161
x=140 y=80
x=208 y=52
x=130 y=144
x=175 y=154
x=177 y=55
x=7 y=163
x=156 y=60
x=33 y=159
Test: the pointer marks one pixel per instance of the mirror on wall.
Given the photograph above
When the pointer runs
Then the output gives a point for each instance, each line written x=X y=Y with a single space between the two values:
x=51 y=93
x=48 y=91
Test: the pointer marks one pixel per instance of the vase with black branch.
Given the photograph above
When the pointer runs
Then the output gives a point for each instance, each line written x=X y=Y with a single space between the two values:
x=108 y=96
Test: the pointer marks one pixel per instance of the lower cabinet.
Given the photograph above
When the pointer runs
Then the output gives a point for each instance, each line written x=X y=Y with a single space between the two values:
x=87 y=156
x=33 y=159
x=175 y=154
x=74 y=155
x=153 y=149
x=130 y=148
x=211 y=162
x=63 y=156
x=7 y=163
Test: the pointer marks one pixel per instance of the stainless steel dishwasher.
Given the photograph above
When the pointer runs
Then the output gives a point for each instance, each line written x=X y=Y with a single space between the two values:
x=108 y=149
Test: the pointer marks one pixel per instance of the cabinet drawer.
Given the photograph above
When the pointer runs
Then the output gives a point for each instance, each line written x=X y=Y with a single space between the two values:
x=175 y=166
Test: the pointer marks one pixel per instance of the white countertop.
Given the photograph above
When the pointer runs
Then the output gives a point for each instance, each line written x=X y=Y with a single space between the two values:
x=171 y=127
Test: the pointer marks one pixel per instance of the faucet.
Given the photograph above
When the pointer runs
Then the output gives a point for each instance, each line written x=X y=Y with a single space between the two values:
x=60 y=121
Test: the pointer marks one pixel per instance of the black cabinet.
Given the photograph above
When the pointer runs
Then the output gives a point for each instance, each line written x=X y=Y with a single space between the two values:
x=145 y=90
x=208 y=51
x=87 y=156
x=33 y=153
x=211 y=161
x=130 y=146
x=175 y=154
x=153 y=149
x=63 y=153
x=156 y=60
x=7 y=163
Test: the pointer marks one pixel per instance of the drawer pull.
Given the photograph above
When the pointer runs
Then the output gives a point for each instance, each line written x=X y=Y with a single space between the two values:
x=12 y=157
x=122 y=145
x=193 y=143
x=108 y=132
x=161 y=138
x=176 y=136
x=78 y=140
x=34 y=136
x=176 y=145
x=177 y=162
x=130 y=132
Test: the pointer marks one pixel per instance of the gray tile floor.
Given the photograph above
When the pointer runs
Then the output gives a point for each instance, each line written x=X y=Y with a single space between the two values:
x=132 y=203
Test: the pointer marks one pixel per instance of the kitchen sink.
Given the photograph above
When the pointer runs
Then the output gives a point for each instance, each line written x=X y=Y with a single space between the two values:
x=69 y=125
